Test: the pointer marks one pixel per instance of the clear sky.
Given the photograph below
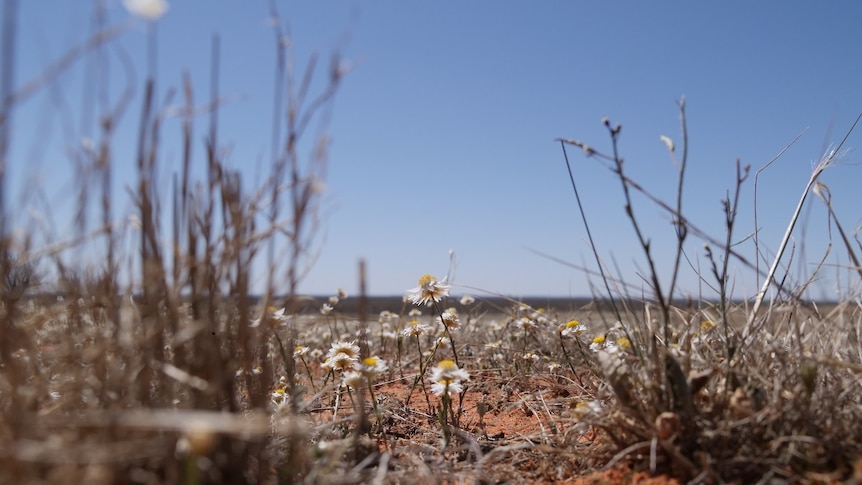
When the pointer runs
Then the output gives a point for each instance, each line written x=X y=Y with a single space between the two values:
x=443 y=132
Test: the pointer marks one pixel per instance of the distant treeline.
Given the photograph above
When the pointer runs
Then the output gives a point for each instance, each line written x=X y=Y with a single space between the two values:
x=377 y=304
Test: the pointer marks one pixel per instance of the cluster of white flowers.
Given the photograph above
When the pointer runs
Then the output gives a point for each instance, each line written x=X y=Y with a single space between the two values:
x=415 y=328
x=613 y=346
x=343 y=356
x=447 y=377
x=450 y=319
x=602 y=343
x=526 y=324
x=530 y=357
x=494 y=345
x=366 y=371
x=572 y=328
x=279 y=396
x=496 y=325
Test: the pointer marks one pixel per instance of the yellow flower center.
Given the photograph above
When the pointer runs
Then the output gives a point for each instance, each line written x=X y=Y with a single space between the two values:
x=599 y=340
x=369 y=361
x=447 y=365
x=426 y=280
x=572 y=323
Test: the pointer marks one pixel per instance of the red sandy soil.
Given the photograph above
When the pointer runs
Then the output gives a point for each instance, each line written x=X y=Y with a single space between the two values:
x=514 y=416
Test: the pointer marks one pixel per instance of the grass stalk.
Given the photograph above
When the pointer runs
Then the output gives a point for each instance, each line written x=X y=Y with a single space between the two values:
x=826 y=161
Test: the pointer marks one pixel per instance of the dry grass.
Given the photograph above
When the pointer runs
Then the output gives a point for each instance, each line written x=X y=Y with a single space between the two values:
x=181 y=373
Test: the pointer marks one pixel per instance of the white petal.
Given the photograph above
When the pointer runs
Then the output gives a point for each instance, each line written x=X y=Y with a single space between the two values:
x=148 y=9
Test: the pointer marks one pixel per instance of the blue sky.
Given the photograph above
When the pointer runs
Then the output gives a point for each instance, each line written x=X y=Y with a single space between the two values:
x=443 y=132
